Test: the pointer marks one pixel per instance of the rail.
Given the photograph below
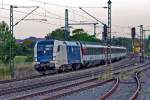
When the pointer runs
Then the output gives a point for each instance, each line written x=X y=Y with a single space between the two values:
x=111 y=91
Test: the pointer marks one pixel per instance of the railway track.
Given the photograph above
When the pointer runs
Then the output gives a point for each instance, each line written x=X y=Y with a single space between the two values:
x=55 y=93
x=66 y=90
x=138 y=87
x=110 y=92
x=46 y=83
x=137 y=83
x=135 y=95
x=40 y=76
x=76 y=87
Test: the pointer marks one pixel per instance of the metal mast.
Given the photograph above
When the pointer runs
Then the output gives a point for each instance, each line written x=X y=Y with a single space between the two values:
x=141 y=44
x=11 y=60
x=142 y=40
x=11 y=42
x=94 y=29
x=66 y=25
x=108 y=56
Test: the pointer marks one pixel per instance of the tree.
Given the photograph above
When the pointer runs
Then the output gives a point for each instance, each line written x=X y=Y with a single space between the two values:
x=149 y=38
x=77 y=31
x=122 y=41
x=147 y=46
x=28 y=43
x=78 y=35
x=81 y=35
x=56 y=34
x=22 y=50
x=6 y=40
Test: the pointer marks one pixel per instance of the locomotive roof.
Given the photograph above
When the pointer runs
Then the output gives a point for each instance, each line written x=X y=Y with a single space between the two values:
x=91 y=44
x=98 y=44
x=72 y=43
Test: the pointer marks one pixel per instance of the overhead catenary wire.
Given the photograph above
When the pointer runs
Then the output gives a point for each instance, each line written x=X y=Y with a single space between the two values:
x=38 y=13
x=58 y=16
x=92 y=16
x=31 y=21
x=23 y=12
x=47 y=11
x=65 y=6
x=26 y=16
x=70 y=7
x=32 y=14
x=77 y=13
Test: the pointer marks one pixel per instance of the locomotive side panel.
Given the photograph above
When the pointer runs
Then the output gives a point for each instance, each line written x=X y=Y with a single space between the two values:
x=60 y=54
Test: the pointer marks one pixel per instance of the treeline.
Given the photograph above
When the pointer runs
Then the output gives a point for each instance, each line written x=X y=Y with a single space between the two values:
x=27 y=47
x=77 y=35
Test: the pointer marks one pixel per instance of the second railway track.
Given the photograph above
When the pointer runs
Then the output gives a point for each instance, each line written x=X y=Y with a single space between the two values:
x=50 y=82
x=137 y=83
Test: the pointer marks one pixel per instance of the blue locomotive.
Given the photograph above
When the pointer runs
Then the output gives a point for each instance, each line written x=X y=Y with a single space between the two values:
x=55 y=55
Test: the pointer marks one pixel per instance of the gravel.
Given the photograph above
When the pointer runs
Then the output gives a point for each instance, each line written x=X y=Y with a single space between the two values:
x=90 y=94
x=124 y=91
x=52 y=77
x=46 y=79
x=145 y=89
x=14 y=95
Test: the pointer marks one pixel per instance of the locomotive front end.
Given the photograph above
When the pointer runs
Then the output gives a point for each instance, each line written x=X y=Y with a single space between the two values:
x=43 y=56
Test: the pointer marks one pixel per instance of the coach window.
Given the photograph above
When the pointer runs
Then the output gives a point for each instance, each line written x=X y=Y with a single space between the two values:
x=112 y=50
x=101 y=51
x=58 y=49
x=72 y=49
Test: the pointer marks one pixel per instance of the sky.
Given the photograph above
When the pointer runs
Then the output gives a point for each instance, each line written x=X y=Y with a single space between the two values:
x=125 y=14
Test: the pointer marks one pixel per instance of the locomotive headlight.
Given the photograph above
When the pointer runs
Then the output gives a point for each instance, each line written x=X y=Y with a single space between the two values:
x=54 y=58
x=37 y=63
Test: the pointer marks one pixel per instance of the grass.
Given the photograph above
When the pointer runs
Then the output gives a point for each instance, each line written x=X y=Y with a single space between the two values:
x=20 y=59
x=4 y=73
x=20 y=64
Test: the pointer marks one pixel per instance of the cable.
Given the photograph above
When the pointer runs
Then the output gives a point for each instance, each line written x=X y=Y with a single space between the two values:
x=79 y=14
x=51 y=12
x=64 y=6
x=38 y=15
x=30 y=20
x=26 y=16
x=62 y=18
x=127 y=27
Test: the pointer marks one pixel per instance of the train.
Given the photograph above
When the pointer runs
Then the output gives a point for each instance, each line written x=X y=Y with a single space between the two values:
x=55 y=55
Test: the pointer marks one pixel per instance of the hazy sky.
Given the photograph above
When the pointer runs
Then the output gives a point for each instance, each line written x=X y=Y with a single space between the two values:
x=125 y=14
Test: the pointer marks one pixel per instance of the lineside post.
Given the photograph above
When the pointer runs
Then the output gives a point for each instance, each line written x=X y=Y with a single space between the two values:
x=141 y=45
x=66 y=25
x=11 y=58
x=109 y=40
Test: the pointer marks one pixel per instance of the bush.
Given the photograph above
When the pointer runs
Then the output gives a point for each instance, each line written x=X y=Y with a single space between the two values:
x=29 y=59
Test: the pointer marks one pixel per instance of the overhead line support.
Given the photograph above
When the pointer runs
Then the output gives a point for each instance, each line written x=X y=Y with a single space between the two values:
x=11 y=55
x=66 y=31
x=92 y=16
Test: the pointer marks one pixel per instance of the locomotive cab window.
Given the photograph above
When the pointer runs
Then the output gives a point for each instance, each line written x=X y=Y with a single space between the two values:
x=58 y=48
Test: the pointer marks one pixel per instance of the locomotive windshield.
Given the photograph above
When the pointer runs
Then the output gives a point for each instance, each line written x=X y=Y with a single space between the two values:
x=45 y=51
